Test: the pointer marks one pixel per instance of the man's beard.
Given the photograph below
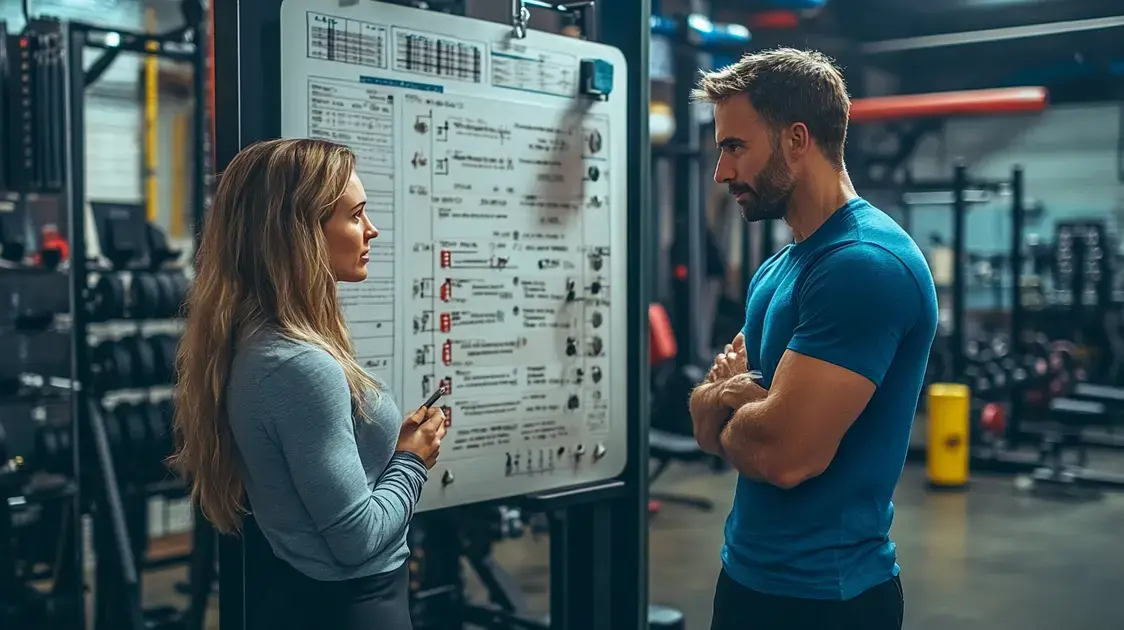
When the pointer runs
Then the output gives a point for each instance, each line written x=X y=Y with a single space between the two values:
x=770 y=194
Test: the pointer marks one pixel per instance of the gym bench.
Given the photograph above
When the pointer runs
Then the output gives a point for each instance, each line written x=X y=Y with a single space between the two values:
x=1113 y=399
x=1069 y=418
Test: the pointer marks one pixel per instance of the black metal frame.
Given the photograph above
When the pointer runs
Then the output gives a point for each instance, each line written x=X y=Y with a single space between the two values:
x=689 y=248
x=960 y=207
x=116 y=563
x=605 y=516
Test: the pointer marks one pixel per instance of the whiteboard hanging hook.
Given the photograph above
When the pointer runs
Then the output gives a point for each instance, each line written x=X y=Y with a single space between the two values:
x=520 y=15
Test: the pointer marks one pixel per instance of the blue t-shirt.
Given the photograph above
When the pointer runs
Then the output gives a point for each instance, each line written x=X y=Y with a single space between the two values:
x=857 y=293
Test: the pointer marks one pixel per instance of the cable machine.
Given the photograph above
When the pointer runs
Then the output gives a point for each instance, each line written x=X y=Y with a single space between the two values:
x=597 y=530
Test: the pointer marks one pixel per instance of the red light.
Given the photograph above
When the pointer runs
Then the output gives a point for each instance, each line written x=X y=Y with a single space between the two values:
x=23 y=42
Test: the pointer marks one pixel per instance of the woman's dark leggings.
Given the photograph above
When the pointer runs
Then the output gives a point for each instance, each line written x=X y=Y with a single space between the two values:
x=279 y=597
x=378 y=602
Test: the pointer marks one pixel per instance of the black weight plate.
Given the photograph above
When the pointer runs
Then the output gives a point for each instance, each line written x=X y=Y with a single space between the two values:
x=159 y=363
x=160 y=440
x=123 y=360
x=144 y=296
x=171 y=346
x=143 y=373
x=179 y=281
x=103 y=367
x=168 y=303
x=107 y=298
x=165 y=420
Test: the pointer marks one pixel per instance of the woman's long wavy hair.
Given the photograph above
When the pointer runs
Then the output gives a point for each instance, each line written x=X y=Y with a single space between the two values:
x=262 y=262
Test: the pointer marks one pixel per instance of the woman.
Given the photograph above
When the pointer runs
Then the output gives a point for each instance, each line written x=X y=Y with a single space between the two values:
x=272 y=405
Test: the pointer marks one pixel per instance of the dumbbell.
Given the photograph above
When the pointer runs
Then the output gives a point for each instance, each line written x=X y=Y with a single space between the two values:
x=133 y=362
x=111 y=366
x=105 y=300
x=157 y=294
x=996 y=374
x=164 y=358
x=139 y=436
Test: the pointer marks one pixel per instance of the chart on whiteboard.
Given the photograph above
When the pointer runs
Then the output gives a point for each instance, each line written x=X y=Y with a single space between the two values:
x=496 y=273
x=508 y=267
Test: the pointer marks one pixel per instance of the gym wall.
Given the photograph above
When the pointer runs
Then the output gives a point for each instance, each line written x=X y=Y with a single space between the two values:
x=1069 y=154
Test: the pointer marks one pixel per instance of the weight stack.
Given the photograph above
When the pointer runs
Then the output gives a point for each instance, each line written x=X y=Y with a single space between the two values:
x=35 y=109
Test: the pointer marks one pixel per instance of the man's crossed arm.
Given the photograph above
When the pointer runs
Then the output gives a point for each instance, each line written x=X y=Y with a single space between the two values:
x=844 y=342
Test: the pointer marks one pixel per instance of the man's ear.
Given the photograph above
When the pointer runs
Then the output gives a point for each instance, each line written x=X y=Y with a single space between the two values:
x=797 y=140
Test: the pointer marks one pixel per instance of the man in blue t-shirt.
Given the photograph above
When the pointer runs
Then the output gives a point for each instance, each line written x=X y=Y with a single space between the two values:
x=839 y=323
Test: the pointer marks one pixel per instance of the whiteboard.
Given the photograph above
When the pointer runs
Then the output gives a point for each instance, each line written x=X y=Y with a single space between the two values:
x=499 y=270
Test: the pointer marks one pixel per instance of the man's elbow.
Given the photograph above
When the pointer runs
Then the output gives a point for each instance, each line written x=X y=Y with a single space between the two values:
x=788 y=472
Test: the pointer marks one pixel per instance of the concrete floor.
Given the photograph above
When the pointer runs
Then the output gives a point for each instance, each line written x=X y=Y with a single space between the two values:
x=993 y=558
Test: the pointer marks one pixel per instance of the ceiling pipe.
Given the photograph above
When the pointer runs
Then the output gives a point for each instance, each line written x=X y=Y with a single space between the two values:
x=991 y=35
x=963 y=103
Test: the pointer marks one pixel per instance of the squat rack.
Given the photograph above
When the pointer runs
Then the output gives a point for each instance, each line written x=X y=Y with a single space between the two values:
x=602 y=529
x=117 y=562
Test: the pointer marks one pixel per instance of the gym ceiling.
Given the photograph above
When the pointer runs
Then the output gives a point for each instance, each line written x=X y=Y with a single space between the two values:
x=1073 y=47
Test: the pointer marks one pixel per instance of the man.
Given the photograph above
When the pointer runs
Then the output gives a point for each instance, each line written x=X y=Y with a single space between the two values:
x=839 y=323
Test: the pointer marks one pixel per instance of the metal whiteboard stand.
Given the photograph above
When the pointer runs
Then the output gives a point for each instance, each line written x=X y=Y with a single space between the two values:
x=599 y=537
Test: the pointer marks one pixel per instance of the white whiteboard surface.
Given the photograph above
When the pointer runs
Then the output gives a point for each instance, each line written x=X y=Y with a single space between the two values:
x=500 y=198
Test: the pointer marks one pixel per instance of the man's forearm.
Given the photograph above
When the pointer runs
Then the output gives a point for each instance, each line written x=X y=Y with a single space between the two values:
x=746 y=439
x=706 y=397
x=707 y=416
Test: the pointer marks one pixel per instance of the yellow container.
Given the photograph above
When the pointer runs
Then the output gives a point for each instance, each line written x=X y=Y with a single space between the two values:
x=947 y=449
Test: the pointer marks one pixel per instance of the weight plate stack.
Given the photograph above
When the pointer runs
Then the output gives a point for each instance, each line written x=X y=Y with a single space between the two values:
x=181 y=286
x=144 y=296
x=142 y=361
x=168 y=303
x=106 y=299
x=164 y=353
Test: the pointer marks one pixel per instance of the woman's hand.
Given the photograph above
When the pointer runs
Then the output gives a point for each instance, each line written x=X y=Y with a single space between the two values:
x=421 y=434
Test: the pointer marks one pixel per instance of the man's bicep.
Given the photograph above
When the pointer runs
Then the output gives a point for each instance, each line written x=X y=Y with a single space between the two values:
x=855 y=306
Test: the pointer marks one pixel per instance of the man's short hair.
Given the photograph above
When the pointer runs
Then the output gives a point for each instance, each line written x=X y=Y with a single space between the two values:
x=788 y=86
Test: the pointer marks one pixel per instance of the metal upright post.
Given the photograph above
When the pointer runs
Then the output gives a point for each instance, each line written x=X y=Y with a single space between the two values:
x=110 y=530
x=690 y=243
x=202 y=118
x=626 y=24
x=959 y=292
x=74 y=89
x=1018 y=218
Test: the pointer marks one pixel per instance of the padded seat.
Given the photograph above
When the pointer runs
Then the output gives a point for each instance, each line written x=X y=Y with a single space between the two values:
x=1070 y=412
x=1107 y=394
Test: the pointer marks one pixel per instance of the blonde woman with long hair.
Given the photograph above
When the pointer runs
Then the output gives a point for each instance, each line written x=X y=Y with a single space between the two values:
x=274 y=416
